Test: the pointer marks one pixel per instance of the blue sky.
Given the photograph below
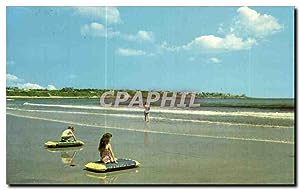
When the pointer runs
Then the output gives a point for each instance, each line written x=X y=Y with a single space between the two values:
x=238 y=50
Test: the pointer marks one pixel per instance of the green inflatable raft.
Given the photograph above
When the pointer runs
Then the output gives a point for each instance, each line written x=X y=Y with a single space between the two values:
x=60 y=144
x=121 y=164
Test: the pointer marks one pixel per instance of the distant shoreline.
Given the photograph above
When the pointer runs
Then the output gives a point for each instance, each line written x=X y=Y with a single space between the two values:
x=95 y=97
x=272 y=103
x=50 y=97
x=69 y=92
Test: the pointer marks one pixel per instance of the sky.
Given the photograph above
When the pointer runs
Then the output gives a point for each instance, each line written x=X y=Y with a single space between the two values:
x=237 y=50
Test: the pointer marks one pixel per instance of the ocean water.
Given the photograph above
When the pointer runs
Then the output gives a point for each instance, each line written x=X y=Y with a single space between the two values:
x=227 y=141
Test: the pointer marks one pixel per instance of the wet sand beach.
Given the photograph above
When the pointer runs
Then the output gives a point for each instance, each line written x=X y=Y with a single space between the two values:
x=170 y=152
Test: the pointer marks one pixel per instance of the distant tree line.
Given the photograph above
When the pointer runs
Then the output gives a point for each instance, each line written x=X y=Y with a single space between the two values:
x=90 y=92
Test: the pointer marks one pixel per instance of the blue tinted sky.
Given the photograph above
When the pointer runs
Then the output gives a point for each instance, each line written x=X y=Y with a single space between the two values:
x=238 y=50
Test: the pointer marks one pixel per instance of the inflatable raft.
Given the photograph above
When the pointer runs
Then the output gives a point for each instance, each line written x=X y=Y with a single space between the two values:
x=121 y=164
x=65 y=149
x=60 y=144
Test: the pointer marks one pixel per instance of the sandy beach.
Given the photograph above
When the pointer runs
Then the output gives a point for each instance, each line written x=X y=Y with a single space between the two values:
x=170 y=151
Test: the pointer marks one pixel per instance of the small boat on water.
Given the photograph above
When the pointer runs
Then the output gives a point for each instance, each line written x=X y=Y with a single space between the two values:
x=61 y=144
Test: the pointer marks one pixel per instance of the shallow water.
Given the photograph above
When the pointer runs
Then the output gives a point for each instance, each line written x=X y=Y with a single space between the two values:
x=209 y=146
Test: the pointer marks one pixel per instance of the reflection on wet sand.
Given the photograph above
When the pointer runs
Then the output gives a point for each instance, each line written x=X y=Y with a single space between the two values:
x=103 y=178
x=68 y=158
x=67 y=154
x=146 y=134
x=110 y=178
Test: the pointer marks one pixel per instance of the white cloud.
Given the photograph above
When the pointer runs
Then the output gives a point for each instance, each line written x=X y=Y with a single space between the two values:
x=111 y=13
x=215 y=60
x=29 y=86
x=11 y=78
x=51 y=87
x=130 y=52
x=145 y=35
x=166 y=46
x=95 y=29
x=211 y=43
x=250 y=22
x=140 y=36
x=228 y=43
x=247 y=29
x=14 y=81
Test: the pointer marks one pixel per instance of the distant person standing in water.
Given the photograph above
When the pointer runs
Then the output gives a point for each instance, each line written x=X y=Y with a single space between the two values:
x=146 y=112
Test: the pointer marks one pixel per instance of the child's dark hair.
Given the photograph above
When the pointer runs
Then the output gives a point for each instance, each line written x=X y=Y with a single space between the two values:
x=71 y=127
x=104 y=141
